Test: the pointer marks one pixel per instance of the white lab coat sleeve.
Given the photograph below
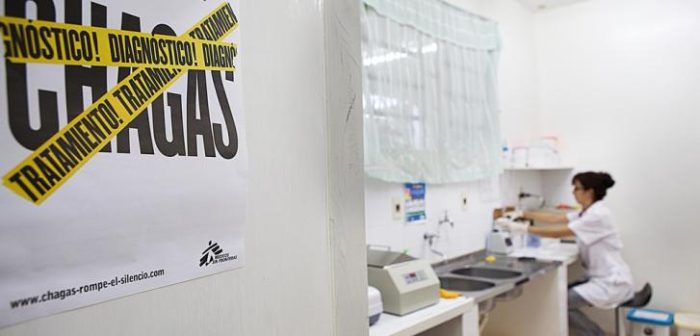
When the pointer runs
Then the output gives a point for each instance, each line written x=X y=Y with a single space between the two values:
x=589 y=228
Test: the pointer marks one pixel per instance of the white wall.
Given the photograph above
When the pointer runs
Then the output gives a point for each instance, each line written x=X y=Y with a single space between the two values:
x=346 y=220
x=298 y=226
x=471 y=224
x=619 y=83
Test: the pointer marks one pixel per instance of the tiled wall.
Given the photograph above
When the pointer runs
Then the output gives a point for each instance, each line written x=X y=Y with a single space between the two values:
x=471 y=224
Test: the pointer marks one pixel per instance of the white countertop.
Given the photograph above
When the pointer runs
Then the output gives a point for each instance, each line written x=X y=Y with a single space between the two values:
x=422 y=319
x=550 y=251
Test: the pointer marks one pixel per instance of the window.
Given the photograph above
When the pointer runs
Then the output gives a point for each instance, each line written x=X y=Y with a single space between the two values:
x=429 y=92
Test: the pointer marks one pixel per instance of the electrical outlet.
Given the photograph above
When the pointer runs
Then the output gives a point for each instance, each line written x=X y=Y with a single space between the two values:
x=464 y=201
x=396 y=208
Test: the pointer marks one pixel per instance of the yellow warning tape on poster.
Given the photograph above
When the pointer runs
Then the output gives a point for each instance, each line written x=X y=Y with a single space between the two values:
x=54 y=162
x=35 y=41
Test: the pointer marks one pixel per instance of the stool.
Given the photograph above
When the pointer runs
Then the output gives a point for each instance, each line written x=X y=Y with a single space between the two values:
x=640 y=299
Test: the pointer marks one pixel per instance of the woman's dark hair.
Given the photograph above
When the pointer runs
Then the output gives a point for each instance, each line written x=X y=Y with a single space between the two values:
x=599 y=182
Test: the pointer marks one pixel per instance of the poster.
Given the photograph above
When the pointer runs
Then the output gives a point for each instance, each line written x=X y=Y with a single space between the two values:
x=123 y=151
x=414 y=203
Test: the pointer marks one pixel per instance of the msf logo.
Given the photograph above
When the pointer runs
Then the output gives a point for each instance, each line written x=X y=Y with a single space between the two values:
x=209 y=255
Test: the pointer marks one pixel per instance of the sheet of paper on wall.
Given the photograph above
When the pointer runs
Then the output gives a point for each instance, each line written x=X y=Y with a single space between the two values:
x=414 y=203
x=124 y=157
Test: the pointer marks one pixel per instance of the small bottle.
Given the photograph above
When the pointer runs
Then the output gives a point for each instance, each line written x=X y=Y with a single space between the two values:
x=505 y=154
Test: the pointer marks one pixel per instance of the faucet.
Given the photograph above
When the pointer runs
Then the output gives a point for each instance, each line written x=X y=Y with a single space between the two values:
x=446 y=220
x=522 y=195
x=443 y=256
x=429 y=236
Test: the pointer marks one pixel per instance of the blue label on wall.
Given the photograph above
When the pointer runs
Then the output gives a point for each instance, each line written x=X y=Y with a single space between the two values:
x=414 y=203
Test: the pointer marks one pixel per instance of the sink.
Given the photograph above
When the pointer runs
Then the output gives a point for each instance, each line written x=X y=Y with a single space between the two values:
x=489 y=273
x=464 y=285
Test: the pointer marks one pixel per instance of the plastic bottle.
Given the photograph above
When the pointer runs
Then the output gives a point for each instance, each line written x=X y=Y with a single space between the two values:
x=505 y=154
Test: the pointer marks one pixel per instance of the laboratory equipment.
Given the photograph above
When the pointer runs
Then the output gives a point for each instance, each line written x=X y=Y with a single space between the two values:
x=406 y=283
x=375 y=308
x=649 y=322
x=687 y=324
x=499 y=242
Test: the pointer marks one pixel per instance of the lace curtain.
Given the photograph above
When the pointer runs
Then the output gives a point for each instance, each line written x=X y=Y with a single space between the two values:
x=429 y=92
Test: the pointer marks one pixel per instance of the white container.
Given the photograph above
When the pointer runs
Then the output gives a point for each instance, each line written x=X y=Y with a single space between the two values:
x=648 y=322
x=374 y=299
x=687 y=324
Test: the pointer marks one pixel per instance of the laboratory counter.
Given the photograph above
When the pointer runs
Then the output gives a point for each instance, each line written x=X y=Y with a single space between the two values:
x=496 y=290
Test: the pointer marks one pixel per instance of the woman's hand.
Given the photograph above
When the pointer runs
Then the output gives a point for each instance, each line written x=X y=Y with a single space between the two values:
x=518 y=227
x=512 y=226
x=513 y=215
x=546 y=217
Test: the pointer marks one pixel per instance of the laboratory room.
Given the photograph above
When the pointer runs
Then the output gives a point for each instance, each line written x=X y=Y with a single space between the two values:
x=349 y=167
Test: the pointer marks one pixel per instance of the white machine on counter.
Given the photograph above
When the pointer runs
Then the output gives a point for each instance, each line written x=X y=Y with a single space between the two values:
x=406 y=283
x=499 y=242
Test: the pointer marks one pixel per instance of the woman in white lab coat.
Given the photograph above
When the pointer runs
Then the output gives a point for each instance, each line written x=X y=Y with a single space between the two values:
x=609 y=280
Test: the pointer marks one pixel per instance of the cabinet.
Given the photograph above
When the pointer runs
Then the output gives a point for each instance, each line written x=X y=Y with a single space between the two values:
x=552 y=183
